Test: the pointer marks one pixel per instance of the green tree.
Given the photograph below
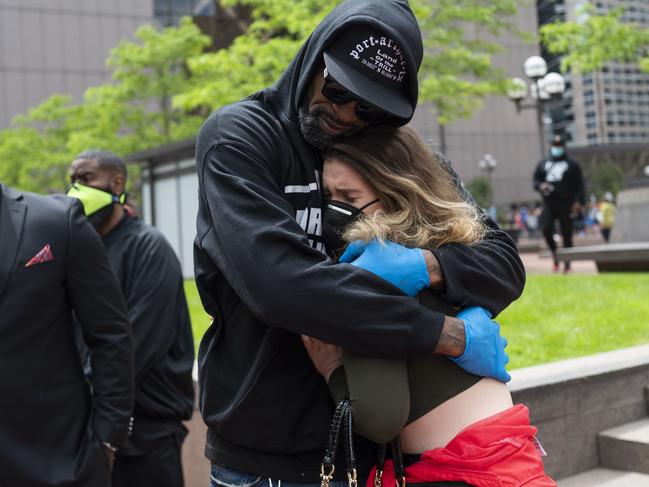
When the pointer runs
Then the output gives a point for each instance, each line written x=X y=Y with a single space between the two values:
x=595 y=39
x=460 y=39
x=256 y=58
x=34 y=152
x=130 y=113
x=146 y=75
x=480 y=188
x=606 y=177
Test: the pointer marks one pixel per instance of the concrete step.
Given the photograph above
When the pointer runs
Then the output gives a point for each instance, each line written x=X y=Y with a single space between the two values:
x=626 y=447
x=603 y=477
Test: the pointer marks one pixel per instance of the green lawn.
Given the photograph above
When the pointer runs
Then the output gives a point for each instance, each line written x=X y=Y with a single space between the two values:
x=561 y=316
x=200 y=319
x=557 y=317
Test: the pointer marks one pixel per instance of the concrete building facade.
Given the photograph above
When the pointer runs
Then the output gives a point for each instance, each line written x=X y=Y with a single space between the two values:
x=59 y=46
x=610 y=106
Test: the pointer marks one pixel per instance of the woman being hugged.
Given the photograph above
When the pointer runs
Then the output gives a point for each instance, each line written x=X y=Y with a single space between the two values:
x=384 y=184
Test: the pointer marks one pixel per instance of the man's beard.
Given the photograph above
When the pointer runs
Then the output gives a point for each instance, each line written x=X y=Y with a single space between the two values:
x=313 y=134
x=98 y=218
x=311 y=131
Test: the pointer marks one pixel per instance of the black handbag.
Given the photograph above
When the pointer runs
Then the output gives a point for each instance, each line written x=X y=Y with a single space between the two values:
x=342 y=424
x=397 y=459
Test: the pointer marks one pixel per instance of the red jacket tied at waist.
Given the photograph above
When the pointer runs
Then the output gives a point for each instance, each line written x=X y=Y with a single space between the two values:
x=498 y=451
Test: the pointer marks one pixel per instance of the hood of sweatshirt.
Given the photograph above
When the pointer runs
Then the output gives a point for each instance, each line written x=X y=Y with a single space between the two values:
x=391 y=17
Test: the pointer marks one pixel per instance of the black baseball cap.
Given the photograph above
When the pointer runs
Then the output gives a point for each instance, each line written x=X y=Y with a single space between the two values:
x=558 y=140
x=372 y=66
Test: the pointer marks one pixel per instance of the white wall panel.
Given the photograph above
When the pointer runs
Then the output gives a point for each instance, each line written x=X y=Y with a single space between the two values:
x=166 y=211
x=189 y=209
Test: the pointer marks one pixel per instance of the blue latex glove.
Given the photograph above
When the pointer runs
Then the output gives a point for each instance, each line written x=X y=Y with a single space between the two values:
x=399 y=265
x=484 y=352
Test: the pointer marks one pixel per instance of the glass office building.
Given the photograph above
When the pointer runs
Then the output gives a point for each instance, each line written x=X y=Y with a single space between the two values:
x=610 y=106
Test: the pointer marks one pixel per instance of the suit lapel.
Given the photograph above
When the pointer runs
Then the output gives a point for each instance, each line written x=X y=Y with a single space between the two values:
x=12 y=222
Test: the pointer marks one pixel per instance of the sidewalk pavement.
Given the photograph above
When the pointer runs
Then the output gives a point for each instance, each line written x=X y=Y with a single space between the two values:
x=535 y=264
x=536 y=257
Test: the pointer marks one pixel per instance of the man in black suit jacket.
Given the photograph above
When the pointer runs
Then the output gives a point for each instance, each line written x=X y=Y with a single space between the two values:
x=55 y=428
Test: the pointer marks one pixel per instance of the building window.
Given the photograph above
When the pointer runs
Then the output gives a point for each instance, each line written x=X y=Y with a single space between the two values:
x=169 y=12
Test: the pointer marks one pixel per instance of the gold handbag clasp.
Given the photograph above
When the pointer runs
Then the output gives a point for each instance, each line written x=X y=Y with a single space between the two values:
x=352 y=478
x=326 y=477
x=378 y=478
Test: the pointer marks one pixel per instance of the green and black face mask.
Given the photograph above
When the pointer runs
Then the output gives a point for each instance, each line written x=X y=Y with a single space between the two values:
x=97 y=203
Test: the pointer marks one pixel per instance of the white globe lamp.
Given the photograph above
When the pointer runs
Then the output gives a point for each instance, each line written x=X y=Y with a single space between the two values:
x=535 y=67
x=517 y=89
x=553 y=83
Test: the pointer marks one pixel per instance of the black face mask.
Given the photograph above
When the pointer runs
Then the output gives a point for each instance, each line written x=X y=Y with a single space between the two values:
x=98 y=218
x=337 y=216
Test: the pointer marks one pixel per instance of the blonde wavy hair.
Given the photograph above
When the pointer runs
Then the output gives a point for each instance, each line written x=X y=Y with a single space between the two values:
x=422 y=206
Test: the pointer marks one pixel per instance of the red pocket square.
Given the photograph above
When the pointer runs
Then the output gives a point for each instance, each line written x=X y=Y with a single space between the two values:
x=44 y=255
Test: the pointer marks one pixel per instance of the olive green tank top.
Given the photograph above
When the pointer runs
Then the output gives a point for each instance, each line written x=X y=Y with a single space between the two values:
x=432 y=379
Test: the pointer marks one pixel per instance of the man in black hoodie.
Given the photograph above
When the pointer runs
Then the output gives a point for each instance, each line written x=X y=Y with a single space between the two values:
x=151 y=281
x=259 y=254
x=561 y=184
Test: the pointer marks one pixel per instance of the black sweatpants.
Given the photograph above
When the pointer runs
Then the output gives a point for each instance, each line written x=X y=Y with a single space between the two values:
x=557 y=210
x=160 y=466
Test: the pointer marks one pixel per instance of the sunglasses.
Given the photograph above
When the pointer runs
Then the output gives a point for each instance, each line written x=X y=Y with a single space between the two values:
x=338 y=94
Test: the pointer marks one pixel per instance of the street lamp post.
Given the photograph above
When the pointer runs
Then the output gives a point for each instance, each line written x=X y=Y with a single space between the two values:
x=545 y=87
x=488 y=165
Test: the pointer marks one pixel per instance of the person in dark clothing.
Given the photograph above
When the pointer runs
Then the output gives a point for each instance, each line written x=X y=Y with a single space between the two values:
x=561 y=184
x=260 y=261
x=151 y=280
x=56 y=427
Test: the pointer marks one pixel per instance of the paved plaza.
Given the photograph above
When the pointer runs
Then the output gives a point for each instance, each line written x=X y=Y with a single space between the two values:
x=538 y=263
x=537 y=259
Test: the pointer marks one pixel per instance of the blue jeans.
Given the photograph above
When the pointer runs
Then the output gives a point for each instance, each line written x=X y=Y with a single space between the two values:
x=227 y=477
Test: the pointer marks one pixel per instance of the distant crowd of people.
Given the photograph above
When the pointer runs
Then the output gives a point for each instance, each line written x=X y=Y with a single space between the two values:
x=597 y=217
x=563 y=208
